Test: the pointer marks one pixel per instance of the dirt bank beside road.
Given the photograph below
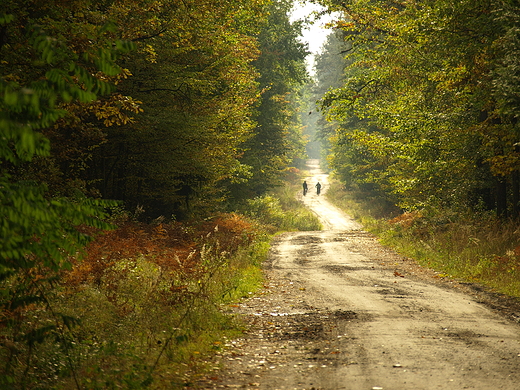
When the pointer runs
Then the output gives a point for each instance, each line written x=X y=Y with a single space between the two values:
x=339 y=311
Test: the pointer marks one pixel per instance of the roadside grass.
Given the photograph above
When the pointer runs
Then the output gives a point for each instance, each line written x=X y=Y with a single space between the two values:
x=282 y=211
x=146 y=305
x=476 y=248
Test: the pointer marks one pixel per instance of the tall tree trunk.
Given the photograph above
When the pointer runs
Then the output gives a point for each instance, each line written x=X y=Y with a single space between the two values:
x=515 y=184
x=501 y=198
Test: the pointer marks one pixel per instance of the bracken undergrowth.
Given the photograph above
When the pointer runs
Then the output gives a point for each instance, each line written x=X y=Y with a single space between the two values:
x=144 y=305
x=141 y=308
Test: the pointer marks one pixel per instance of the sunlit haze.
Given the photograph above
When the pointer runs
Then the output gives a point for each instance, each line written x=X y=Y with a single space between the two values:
x=315 y=34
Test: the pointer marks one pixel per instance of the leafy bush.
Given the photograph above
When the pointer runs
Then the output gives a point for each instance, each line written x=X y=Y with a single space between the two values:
x=267 y=209
x=294 y=216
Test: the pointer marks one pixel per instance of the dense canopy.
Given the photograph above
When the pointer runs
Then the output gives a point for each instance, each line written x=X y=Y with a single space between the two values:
x=427 y=107
x=173 y=107
x=155 y=109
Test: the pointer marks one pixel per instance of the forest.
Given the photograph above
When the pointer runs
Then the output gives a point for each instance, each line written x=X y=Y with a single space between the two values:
x=422 y=102
x=141 y=141
x=132 y=133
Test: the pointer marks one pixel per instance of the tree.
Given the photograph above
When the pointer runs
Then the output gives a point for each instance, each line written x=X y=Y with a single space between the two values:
x=276 y=137
x=420 y=77
x=43 y=71
x=194 y=76
x=330 y=67
x=47 y=66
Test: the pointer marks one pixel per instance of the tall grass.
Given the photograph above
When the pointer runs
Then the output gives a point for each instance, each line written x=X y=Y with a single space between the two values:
x=472 y=247
x=281 y=211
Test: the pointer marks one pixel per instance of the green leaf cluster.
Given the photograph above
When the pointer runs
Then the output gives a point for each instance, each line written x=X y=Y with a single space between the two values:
x=42 y=69
x=46 y=63
x=213 y=81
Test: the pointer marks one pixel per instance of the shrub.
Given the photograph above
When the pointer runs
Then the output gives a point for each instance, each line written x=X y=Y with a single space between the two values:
x=268 y=209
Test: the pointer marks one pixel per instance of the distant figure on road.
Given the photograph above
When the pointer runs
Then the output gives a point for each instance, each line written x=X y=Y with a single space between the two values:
x=305 y=188
x=318 y=188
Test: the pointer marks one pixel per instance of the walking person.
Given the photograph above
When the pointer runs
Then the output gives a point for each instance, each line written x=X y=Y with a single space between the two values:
x=318 y=188
x=305 y=188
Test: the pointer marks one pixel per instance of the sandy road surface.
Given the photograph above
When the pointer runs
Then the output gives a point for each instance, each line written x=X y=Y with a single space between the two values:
x=341 y=312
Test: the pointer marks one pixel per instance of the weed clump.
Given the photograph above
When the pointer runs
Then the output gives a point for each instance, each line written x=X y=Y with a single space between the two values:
x=282 y=213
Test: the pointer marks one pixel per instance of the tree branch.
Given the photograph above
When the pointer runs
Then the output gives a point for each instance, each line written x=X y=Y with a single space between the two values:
x=145 y=37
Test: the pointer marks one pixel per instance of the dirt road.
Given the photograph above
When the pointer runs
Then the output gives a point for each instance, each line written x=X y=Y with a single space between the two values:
x=341 y=312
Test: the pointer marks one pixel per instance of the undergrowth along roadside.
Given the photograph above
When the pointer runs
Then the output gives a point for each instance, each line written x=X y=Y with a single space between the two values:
x=282 y=211
x=145 y=306
x=141 y=308
x=476 y=248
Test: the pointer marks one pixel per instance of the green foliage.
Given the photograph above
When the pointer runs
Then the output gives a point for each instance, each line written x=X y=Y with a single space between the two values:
x=194 y=79
x=30 y=101
x=41 y=69
x=276 y=140
x=282 y=216
x=36 y=231
x=425 y=112
x=73 y=77
x=266 y=208
x=330 y=65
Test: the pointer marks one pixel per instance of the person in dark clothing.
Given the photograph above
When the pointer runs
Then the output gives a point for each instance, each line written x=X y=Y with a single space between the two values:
x=305 y=188
x=318 y=188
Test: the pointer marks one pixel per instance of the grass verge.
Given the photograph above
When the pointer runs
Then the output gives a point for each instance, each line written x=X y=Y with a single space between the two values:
x=282 y=211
